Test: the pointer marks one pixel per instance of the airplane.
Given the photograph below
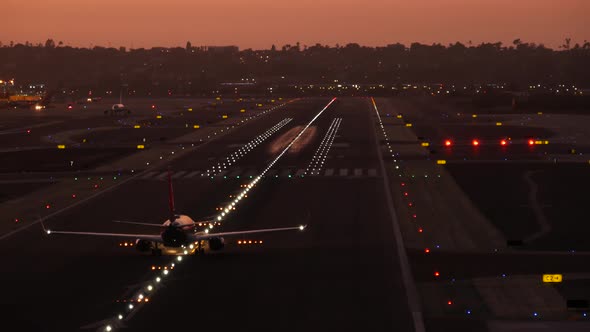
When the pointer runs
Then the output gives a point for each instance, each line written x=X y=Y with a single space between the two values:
x=179 y=234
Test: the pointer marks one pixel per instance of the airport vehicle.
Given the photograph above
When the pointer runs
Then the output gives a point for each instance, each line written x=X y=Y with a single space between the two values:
x=178 y=235
x=118 y=109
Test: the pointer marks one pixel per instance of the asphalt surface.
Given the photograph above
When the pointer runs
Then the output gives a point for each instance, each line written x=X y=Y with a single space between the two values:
x=342 y=273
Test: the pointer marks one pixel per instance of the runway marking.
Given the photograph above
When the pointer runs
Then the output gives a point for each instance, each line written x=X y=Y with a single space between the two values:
x=192 y=174
x=176 y=175
x=250 y=172
x=245 y=173
x=220 y=174
x=148 y=175
x=272 y=172
x=162 y=176
x=411 y=290
x=537 y=209
x=285 y=173
x=235 y=173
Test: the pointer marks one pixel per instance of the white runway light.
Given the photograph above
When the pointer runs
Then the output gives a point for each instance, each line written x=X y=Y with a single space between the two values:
x=253 y=182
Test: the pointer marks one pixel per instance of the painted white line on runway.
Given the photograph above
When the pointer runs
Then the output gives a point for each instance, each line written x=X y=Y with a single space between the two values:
x=411 y=290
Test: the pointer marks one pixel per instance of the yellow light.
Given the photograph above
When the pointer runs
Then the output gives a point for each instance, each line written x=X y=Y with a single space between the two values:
x=540 y=113
x=474 y=116
x=196 y=126
x=498 y=123
x=61 y=146
x=425 y=144
x=190 y=110
x=137 y=126
x=552 y=278
x=408 y=124
x=545 y=142
x=224 y=116
x=158 y=116
x=441 y=162
x=140 y=146
x=242 y=111
x=399 y=116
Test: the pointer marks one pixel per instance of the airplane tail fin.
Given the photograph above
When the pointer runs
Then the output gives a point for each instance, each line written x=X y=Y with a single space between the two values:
x=171 y=197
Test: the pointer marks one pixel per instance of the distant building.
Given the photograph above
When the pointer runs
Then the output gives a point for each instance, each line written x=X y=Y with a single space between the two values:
x=223 y=49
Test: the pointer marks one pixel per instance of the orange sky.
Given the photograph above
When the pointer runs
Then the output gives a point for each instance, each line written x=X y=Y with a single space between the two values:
x=260 y=23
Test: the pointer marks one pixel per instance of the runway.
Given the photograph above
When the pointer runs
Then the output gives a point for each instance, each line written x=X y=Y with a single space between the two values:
x=341 y=273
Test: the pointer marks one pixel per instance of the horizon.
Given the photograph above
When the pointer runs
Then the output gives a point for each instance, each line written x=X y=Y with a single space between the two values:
x=261 y=23
x=278 y=46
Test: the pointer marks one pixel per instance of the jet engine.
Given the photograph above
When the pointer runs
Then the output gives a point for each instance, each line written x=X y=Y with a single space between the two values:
x=216 y=243
x=143 y=245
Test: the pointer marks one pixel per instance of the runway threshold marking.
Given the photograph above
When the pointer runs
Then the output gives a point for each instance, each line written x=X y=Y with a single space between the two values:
x=408 y=280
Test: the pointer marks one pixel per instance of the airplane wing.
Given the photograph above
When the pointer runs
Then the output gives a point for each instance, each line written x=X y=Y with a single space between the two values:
x=148 y=237
x=254 y=231
x=138 y=223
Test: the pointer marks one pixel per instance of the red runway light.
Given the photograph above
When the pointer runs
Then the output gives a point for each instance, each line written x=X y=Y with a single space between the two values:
x=475 y=142
x=450 y=302
x=531 y=142
x=503 y=142
x=420 y=230
x=47 y=206
x=448 y=143
x=436 y=274
x=426 y=250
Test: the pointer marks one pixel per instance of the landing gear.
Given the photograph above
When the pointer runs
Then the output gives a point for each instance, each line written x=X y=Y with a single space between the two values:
x=200 y=250
x=156 y=251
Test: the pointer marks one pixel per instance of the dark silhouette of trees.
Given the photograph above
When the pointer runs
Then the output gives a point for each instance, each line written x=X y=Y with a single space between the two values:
x=49 y=43
x=157 y=71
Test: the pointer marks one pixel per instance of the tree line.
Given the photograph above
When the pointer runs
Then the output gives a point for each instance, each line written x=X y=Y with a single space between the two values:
x=192 y=70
